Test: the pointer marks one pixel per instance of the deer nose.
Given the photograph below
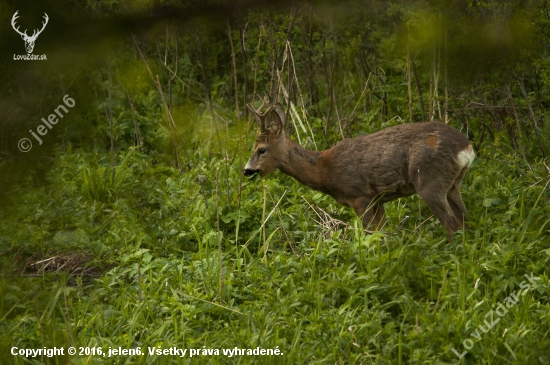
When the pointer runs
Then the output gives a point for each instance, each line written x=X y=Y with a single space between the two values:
x=250 y=172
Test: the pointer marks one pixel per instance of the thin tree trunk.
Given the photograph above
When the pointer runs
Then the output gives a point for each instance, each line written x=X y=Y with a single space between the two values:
x=234 y=66
x=431 y=92
x=256 y=65
x=419 y=90
x=245 y=71
x=110 y=117
x=409 y=86
x=329 y=86
x=137 y=134
x=220 y=256
x=239 y=149
x=173 y=130
x=174 y=74
x=274 y=58
x=438 y=75
x=446 y=113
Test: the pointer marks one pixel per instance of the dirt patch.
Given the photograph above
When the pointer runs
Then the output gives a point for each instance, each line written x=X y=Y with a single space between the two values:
x=79 y=263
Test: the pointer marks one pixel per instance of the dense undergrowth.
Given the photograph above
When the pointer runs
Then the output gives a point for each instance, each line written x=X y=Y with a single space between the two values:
x=322 y=292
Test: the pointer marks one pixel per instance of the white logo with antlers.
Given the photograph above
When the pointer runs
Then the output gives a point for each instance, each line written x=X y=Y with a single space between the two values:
x=29 y=40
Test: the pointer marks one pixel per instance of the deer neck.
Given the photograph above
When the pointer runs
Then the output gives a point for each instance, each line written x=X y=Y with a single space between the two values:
x=304 y=165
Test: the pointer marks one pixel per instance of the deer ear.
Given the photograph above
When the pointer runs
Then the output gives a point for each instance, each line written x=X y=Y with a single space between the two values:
x=257 y=116
x=277 y=120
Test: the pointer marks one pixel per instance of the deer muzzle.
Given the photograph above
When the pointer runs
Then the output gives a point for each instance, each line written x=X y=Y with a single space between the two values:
x=250 y=172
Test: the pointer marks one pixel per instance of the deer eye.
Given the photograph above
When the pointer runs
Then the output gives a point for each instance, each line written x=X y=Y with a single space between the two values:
x=261 y=151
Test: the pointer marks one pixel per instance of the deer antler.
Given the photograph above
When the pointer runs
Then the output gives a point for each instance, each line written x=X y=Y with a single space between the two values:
x=257 y=111
x=260 y=116
x=13 y=19
x=36 y=33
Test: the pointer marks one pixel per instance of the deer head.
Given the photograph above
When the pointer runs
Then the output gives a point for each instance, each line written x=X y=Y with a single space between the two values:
x=270 y=141
x=29 y=40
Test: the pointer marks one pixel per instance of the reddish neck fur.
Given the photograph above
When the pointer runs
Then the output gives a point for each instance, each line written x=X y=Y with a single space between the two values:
x=308 y=167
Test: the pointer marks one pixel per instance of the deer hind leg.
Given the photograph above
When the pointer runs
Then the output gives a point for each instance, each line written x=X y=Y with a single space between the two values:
x=440 y=207
x=437 y=188
x=455 y=200
x=435 y=193
x=372 y=214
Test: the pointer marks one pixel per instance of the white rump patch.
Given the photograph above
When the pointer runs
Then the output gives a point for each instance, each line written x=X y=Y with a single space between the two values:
x=466 y=156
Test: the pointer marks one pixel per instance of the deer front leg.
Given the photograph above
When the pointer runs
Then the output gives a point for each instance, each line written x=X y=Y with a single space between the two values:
x=372 y=214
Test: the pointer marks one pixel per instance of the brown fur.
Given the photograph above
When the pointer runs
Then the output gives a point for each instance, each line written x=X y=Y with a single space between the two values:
x=367 y=171
x=431 y=140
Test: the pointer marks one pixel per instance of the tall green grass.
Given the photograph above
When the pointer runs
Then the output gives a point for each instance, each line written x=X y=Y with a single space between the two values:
x=322 y=296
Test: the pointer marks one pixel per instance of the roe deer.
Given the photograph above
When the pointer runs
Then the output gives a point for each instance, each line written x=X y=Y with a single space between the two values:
x=427 y=158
